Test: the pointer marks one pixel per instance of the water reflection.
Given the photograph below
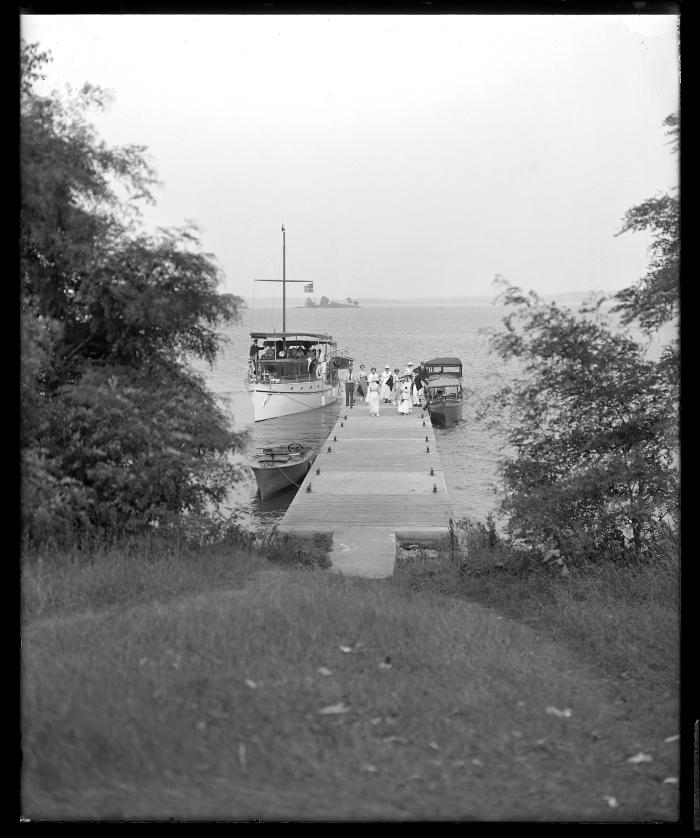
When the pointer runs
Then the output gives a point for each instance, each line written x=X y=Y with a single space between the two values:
x=310 y=428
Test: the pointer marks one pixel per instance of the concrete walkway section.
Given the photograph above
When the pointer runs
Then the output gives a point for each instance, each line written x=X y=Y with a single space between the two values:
x=373 y=478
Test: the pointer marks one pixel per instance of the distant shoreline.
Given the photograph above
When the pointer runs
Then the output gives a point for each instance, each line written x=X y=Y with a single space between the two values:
x=565 y=298
x=332 y=305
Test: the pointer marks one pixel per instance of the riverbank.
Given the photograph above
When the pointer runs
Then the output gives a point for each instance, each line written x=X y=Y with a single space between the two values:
x=213 y=683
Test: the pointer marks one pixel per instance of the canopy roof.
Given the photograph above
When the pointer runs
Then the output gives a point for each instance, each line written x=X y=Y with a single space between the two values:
x=443 y=362
x=301 y=336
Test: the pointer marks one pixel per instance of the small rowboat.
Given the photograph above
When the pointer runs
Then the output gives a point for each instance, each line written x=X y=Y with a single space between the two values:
x=282 y=466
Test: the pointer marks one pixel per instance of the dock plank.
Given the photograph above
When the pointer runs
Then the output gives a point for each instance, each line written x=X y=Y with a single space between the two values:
x=371 y=478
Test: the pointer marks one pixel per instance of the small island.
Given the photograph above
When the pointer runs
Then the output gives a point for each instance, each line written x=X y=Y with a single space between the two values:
x=326 y=303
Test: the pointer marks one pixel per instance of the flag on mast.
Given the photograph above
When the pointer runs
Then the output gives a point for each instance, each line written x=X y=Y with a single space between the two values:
x=309 y=288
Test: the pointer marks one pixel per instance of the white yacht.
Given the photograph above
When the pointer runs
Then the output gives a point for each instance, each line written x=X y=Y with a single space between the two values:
x=292 y=371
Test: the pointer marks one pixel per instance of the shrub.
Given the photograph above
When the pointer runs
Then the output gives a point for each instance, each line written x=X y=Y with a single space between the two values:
x=299 y=551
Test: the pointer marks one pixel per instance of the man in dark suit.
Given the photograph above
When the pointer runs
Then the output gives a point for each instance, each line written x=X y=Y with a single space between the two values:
x=417 y=383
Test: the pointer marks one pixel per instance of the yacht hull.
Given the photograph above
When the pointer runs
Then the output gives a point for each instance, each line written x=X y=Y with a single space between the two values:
x=270 y=401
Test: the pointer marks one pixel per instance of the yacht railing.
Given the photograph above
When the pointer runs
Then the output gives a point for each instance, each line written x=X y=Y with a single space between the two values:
x=290 y=370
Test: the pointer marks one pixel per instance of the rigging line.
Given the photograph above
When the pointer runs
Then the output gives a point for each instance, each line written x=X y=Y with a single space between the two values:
x=284 y=293
x=273 y=324
x=252 y=311
x=291 y=398
x=298 y=485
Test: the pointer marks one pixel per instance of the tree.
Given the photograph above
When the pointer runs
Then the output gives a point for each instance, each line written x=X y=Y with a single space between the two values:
x=592 y=468
x=592 y=424
x=655 y=298
x=324 y=301
x=117 y=430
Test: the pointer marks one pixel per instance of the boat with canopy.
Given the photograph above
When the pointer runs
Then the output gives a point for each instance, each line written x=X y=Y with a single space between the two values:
x=442 y=389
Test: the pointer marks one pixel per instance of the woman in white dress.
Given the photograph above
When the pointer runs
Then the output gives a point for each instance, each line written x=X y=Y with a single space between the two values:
x=385 y=383
x=405 y=400
x=373 y=392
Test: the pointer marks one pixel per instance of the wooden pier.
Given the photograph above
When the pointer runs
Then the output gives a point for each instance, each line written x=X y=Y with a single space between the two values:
x=376 y=481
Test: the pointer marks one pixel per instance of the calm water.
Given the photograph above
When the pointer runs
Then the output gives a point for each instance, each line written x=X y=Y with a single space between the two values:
x=375 y=337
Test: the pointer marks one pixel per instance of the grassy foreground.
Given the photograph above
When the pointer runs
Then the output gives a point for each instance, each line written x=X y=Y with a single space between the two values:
x=213 y=684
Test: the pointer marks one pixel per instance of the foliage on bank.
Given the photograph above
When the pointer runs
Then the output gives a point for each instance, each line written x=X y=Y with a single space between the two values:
x=591 y=423
x=118 y=433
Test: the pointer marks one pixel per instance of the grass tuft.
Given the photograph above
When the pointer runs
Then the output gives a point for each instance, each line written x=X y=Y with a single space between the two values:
x=294 y=550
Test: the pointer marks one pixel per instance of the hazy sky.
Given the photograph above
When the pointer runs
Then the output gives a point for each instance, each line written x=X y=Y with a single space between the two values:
x=406 y=155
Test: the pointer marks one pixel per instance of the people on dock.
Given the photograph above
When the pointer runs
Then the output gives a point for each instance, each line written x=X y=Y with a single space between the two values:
x=414 y=374
x=395 y=386
x=406 y=399
x=346 y=377
x=385 y=383
x=373 y=392
x=417 y=384
x=403 y=390
x=362 y=382
x=351 y=388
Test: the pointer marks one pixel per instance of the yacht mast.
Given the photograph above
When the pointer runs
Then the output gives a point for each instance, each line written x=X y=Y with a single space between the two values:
x=284 y=280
